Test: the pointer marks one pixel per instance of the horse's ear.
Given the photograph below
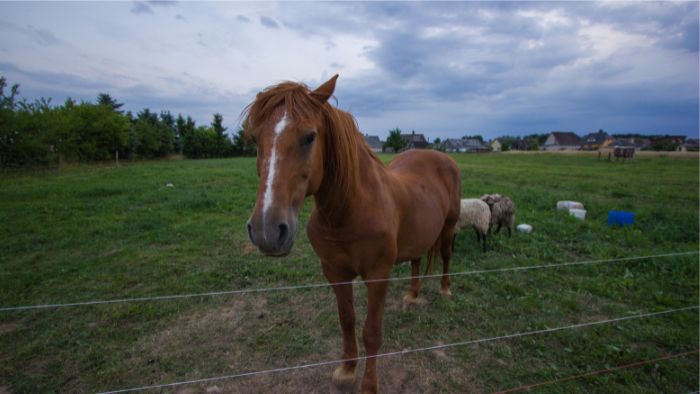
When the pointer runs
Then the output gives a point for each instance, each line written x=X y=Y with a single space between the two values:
x=325 y=91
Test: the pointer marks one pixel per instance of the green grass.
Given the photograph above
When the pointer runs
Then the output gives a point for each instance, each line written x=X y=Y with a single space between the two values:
x=101 y=233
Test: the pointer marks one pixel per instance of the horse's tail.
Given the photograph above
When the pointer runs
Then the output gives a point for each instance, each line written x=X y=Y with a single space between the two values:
x=432 y=253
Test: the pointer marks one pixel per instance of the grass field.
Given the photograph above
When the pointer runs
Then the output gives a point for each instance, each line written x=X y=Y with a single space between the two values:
x=96 y=233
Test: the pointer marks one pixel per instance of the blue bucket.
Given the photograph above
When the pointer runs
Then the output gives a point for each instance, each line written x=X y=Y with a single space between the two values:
x=620 y=218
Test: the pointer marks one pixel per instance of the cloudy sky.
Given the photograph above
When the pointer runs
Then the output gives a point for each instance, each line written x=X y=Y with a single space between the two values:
x=444 y=69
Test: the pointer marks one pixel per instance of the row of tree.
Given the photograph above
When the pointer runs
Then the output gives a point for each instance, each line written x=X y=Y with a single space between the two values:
x=39 y=133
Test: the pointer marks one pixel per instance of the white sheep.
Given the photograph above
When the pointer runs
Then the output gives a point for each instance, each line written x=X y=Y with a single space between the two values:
x=477 y=214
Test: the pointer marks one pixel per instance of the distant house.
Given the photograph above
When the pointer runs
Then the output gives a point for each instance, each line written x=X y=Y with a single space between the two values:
x=632 y=142
x=415 y=141
x=595 y=141
x=520 y=144
x=495 y=145
x=690 y=145
x=666 y=142
x=562 y=140
x=373 y=142
x=474 y=145
x=675 y=139
x=452 y=145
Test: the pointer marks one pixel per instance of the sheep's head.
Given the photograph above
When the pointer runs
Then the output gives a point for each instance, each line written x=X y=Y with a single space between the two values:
x=491 y=199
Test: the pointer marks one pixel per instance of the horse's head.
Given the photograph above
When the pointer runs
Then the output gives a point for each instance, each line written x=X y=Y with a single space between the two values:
x=286 y=123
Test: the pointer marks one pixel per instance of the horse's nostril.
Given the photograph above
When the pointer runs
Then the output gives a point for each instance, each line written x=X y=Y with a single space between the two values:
x=284 y=230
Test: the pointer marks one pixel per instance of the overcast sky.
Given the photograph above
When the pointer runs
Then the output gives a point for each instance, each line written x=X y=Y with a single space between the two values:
x=443 y=69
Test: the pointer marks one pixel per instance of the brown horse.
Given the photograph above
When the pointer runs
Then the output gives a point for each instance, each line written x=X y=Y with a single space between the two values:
x=367 y=216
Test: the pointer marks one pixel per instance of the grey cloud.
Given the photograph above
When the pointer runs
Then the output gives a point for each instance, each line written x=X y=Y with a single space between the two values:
x=45 y=37
x=201 y=101
x=465 y=66
x=685 y=37
x=672 y=24
x=39 y=35
x=140 y=7
x=162 y=3
x=200 y=40
x=593 y=106
x=55 y=85
x=269 y=22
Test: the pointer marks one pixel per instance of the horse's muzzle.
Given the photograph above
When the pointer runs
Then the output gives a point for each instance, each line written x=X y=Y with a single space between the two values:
x=274 y=238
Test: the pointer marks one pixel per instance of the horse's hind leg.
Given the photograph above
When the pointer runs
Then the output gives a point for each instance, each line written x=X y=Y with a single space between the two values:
x=446 y=254
x=412 y=296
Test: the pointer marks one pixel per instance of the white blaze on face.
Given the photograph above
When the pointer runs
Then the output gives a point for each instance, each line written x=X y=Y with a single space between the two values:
x=279 y=128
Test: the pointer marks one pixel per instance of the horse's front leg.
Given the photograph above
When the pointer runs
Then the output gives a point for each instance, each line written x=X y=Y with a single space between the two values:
x=345 y=373
x=372 y=332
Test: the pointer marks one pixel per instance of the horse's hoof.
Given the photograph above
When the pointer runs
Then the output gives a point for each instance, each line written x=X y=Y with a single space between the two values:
x=409 y=300
x=343 y=375
x=446 y=292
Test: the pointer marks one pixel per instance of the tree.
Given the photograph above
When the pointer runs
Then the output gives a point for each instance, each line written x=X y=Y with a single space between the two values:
x=182 y=129
x=107 y=100
x=217 y=125
x=243 y=146
x=24 y=137
x=88 y=132
x=477 y=136
x=7 y=122
x=437 y=142
x=202 y=143
x=224 y=147
x=166 y=128
x=147 y=139
x=395 y=141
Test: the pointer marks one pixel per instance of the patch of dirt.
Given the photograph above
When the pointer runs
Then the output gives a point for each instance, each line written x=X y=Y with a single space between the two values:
x=5 y=390
x=7 y=328
x=186 y=390
x=259 y=332
x=440 y=353
x=249 y=248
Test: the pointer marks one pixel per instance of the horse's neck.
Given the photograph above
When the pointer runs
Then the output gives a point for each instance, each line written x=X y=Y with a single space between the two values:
x=335 y=213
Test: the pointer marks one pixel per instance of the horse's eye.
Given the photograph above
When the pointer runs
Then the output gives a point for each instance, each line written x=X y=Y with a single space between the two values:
x=309 y=139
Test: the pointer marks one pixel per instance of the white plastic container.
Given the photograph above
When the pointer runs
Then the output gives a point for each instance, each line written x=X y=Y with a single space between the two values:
x=524 y=228
x=565 y=205
x=578 y=213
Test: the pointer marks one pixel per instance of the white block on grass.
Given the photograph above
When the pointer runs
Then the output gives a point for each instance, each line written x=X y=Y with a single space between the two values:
x=565 y=205
x=578 y=213
x=524 y=228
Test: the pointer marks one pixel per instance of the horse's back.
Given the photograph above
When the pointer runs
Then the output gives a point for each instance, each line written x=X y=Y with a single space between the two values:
x=429 y=168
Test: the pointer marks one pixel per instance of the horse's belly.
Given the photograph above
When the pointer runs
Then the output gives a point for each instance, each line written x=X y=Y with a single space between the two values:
x=415 y=241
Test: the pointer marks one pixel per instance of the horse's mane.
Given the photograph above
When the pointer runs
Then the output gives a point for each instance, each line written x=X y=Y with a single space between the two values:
x=342 y=140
